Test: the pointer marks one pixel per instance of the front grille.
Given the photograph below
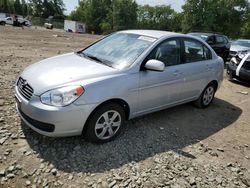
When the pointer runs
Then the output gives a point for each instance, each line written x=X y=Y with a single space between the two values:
x=24 y=88
x=232 y=53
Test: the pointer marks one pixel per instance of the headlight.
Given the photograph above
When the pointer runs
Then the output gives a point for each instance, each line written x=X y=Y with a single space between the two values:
x=62 y=96
x=243 y=54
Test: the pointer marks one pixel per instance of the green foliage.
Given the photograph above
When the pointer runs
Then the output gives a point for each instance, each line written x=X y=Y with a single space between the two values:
x=158 y=17
x=7 y=6
x=40 y=8
x=124 y=14
x=18 y=7
x=225 y=16
x=106 y=15
x=46 y=8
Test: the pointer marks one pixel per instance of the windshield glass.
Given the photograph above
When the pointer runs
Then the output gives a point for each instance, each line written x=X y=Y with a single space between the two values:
x=119 y=50
x=245 y=43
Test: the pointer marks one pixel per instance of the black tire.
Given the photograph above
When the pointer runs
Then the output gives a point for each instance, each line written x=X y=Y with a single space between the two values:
x=2 y=23
x=90 y=132
x=201 y=102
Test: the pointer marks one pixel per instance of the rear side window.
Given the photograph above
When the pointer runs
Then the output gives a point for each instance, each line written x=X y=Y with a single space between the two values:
x=195 y=51
x=219 y=40
x=168 y=52
x=225 y=40
x=210 y=40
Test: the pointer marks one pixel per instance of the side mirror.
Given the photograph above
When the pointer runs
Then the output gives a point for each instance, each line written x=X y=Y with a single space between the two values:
x=155 y=65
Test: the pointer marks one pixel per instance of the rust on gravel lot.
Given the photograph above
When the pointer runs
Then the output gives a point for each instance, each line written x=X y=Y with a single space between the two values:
x=178 y=147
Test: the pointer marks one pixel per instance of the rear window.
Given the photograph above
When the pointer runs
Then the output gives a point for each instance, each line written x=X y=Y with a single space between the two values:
x=220 y=40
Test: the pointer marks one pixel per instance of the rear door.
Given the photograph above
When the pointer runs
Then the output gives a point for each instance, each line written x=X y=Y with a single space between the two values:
x=198 y=66
x=220 y=45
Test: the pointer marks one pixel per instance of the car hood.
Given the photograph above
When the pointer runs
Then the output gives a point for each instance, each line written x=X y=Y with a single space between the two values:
x=62 y=70
x=238 y=48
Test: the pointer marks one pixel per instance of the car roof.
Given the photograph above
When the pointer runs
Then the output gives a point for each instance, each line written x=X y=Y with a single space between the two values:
x=152 y=33
x=201 y=33
x=206 y=33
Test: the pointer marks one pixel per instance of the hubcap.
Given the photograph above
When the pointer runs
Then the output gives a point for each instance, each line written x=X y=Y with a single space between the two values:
x=108 y=124
x=208 y=95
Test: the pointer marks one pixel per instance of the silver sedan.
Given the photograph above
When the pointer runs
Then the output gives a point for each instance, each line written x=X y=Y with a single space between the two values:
x=122 y=76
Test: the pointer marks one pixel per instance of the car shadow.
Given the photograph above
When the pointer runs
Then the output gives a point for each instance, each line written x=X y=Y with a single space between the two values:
x=241 y=83
x=167 y=130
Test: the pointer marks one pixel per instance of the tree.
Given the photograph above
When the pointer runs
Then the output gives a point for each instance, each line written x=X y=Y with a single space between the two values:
x=102 y=15
x=158 y=17
x=7 y=6
x=18 y=7
x=46 y=8
x=24 y=8
x=225 y=16
x=124 y=14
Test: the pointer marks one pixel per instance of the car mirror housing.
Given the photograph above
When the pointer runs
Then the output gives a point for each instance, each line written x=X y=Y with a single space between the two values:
x=155 y=65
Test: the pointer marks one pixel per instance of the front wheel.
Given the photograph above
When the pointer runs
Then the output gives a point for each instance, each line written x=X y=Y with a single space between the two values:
x=206 y=97
x=105 y=123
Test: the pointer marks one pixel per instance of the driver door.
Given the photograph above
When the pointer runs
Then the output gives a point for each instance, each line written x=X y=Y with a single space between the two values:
x=161 y=89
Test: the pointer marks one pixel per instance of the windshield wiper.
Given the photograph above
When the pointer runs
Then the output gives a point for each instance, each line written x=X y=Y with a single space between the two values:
x=96 y=59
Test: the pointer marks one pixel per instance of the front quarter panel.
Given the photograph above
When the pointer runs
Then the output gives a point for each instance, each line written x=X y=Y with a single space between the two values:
x=121 y=86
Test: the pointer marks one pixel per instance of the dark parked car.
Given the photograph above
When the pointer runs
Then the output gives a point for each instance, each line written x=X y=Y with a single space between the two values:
x=219 y=43
x=239 y=65
x=239 y=68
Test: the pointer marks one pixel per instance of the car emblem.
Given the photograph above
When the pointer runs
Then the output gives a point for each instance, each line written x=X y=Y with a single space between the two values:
x=23 y=84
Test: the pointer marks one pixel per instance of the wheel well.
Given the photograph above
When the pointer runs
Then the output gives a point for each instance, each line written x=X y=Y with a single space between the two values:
x=215 y=83
x=121 y=102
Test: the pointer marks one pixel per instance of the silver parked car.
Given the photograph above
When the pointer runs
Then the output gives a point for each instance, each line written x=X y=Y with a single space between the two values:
x=122 y=76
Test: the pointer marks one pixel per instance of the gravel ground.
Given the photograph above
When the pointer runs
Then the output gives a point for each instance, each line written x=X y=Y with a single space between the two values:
x=178 y=147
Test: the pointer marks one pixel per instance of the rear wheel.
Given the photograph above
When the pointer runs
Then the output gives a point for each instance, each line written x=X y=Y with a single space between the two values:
x=206 y=97
x=2 y=23
x=105 y=123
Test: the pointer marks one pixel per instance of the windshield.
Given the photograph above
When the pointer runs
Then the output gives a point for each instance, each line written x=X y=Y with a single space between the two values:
x=119 y=50
x=245 y=43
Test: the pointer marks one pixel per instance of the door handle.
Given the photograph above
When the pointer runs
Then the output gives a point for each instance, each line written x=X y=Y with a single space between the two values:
x=177 y=72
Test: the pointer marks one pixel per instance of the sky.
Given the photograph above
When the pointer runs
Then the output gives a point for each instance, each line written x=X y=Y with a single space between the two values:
x=175 y=4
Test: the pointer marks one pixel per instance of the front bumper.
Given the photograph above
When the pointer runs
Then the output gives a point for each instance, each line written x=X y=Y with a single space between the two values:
x=52 y=121
x=244 y=75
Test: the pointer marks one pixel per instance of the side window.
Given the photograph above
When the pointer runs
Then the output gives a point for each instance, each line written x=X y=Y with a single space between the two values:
x=195 y=51
x=8 y=18
x=168 y=52
x=225 y=40
x=210 y=40
x=219 y=40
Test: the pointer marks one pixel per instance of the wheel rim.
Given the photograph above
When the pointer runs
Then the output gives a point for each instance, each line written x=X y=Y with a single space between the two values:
x=108 y=124
x=208 y=95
